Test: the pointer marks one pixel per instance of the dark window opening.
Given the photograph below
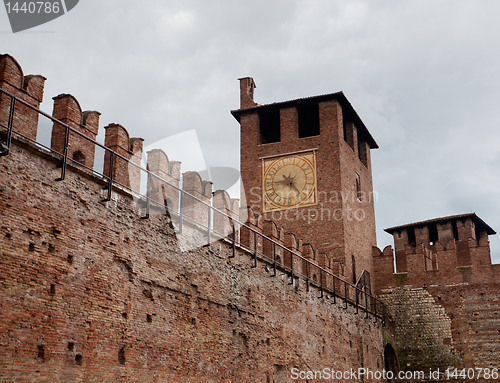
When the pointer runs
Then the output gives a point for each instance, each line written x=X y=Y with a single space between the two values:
x=348 y=127
x=359 y=193
x=79 y=157
x=121 y=356
x=269 y=126
x=78 y=359
x=478 y=232
x=411 y=237
x=41 y=352
x=71 y=346
x=433 y=234
x=455 y=230
x=363 y=151
x=308 y=120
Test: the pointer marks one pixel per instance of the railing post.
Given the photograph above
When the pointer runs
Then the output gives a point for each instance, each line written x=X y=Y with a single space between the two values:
x=234 y=240
x=274 y=259
x=65 y=155
x=307 y=276
x=181 y=218
x=356 y=301
x=6 y=147
x=148 y=196
x=321 y=281
x=110 y=176
x=209 y=223
x=345 y=295
x=334 y=293
x=366 y=304
x=254 y=250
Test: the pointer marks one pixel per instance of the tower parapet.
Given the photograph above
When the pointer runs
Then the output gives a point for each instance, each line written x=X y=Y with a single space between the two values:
x=441 y=251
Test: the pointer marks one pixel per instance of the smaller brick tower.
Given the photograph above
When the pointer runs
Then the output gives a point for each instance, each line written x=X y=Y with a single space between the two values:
x=444 y=297
x=305 y=164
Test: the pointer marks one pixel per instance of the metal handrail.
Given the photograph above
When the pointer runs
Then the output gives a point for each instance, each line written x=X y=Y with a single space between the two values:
x=182 y=217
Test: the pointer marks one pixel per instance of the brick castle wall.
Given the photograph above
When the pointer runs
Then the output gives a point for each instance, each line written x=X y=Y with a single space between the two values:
x=445 y=296
x=92 y=292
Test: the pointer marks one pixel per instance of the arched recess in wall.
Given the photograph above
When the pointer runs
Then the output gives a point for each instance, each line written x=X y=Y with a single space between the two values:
x=390 y=361
x=79 y=157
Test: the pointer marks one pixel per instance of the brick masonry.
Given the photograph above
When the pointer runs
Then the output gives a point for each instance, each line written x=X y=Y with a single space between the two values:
x=445 y=296
x=92 y=292
x=341 y=226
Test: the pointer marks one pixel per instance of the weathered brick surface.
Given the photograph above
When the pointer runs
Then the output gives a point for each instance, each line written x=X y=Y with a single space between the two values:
x=90 y=292
x=341 y=226
x=67 y=110
x=27 y=88
x=445 y=297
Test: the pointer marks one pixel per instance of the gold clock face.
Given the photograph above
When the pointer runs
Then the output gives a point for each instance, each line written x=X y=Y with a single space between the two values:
x=289 y=181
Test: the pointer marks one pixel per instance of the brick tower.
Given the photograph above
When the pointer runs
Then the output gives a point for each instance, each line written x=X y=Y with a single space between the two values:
x=305 y=164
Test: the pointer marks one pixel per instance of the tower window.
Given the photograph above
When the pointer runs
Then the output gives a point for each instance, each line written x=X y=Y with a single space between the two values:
x=411 y=237
x=433 y=234
x=269 y=126
x=362 y=151
x=308 y=120
x=348 y=130
x=359 y=193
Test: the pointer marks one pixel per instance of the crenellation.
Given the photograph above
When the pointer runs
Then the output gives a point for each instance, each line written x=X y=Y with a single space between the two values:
x=11 y=72
x=175 y=170
x=466 y=229
x=445 y=232
x=223 y=224
x=27 y=88
x=34 y=86
x=197 y=211
x=67 y=109
x=118 y=140
x=271 y=230
x=128 y=276
x=422 y=235
x=164 y=192
x=90 y=120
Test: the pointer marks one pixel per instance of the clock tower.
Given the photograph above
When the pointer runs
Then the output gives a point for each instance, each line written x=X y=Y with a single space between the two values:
x=305 y=164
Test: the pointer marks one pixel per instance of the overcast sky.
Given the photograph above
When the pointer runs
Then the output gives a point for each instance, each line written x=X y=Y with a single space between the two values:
x=424 y=76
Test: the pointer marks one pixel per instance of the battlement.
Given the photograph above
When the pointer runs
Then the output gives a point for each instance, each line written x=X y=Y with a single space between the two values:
x=185 y=196
x=441 y=251
x=27 y=88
